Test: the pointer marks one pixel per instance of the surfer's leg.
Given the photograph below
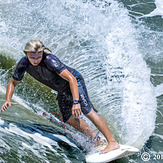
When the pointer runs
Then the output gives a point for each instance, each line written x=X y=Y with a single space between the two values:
x=81 y=126
x=91 y=113
x=84 y=128
x=100 y=123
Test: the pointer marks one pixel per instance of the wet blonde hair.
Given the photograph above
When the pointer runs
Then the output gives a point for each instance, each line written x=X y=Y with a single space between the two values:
x=35 y=46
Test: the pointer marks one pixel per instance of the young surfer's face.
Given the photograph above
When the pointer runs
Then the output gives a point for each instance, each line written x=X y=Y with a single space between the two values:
x=35 y=57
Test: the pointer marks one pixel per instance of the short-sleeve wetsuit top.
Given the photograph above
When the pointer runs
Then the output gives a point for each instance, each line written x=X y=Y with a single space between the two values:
x=47 y=72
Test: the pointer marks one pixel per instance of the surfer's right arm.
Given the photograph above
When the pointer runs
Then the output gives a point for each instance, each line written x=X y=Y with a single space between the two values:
x=10 y=90
x=17 y=76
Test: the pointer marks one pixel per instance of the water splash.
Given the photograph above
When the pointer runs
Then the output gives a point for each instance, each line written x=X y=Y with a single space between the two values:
x=99 y=40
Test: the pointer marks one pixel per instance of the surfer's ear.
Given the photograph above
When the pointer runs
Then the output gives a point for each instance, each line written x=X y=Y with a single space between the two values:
x=25 y=53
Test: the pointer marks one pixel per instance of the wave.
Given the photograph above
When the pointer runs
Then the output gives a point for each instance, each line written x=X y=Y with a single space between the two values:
x=98 y=39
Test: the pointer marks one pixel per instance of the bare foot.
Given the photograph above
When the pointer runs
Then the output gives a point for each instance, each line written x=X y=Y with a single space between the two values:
x=110 y=147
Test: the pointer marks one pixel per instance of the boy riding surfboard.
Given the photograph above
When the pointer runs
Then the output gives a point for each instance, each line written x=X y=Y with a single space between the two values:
x=72 y=93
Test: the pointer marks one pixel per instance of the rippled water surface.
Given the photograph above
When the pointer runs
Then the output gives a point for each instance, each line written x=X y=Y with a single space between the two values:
x=118 y=48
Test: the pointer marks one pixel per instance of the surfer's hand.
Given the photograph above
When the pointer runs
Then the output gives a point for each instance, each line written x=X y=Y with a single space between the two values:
x=5 y=106
x=76 y=110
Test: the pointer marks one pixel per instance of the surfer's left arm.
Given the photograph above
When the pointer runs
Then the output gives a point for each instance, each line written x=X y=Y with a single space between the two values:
x=76 y=109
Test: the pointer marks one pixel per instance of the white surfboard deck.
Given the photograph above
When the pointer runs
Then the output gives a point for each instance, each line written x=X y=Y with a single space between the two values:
x=123 y=151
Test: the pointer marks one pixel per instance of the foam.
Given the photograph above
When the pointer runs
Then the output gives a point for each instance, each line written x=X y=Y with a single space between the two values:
x=158 y=10
x=36 y=136
x=1 y=122
x=40 y=139
x=159 y=90
x=63 y=138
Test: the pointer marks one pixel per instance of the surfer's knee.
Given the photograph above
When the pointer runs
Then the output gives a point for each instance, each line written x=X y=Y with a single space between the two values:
x=75 y=122
x=72 y=121
x=91 y=113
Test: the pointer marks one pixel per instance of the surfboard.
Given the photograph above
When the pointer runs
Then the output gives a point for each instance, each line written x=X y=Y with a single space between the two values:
x=123 y=151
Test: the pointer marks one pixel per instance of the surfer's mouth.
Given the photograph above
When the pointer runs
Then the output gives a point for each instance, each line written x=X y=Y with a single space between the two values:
x=35 y=64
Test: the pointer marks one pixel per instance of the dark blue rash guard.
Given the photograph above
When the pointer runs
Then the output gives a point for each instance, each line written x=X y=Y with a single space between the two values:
x=47 y=72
